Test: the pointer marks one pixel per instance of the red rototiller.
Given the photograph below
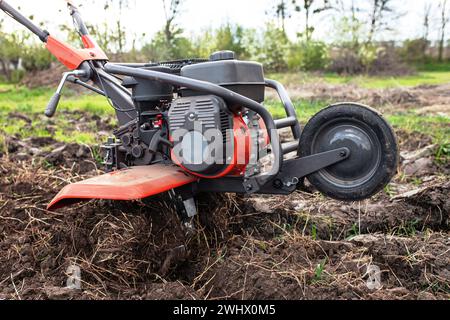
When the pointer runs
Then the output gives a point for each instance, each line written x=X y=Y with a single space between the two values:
x=199 y=125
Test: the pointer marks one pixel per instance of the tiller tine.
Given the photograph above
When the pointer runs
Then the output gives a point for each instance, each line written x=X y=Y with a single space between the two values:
x=129 y=184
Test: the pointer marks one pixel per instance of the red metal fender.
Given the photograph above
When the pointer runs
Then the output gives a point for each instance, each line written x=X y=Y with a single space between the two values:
x=130 y=184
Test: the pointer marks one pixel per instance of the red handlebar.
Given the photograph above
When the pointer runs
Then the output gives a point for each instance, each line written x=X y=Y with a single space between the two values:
x=72 y=57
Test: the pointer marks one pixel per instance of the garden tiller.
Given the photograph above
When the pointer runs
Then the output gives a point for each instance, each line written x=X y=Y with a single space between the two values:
x=200 y=126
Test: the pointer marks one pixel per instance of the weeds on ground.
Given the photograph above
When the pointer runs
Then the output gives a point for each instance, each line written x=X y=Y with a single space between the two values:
x=408 y=229
x=318 y=273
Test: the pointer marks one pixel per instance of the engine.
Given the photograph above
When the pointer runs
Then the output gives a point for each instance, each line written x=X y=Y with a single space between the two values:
x=201 y=133
x=200 y=128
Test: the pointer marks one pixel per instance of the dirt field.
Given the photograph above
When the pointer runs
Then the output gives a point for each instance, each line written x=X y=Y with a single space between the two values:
x=298 y=247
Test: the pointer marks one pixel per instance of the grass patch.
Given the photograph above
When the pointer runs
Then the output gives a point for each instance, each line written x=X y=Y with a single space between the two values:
x=434 y=67
x=24 y=100
x=435 y=126
x=319 y=272
x=2 y=144
x=88 y=138
x=33 y=103
x=427 y=77
x=305 y=108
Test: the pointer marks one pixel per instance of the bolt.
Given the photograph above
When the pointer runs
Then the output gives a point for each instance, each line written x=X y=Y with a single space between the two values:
x=278 y=184
x=343 y=154
x=249 y=187
x=137 y=151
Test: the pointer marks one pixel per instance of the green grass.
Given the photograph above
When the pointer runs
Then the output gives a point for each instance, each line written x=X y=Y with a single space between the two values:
x=434 y=66
x=435 y=126
x=14 y=99
x=24 y=100
x=319 y=272
x=33 y=103
x=305 y=108
x=429 y=77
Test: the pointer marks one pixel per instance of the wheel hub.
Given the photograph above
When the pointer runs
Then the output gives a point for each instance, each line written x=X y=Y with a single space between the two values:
x=364 y=147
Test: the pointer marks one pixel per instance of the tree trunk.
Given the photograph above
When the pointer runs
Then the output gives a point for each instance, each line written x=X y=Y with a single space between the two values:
x=444 y=20
x=373 y=21
x=5 y=69
x=308 y=31
x=168 y=32
x=441 y=46
x=120 y=40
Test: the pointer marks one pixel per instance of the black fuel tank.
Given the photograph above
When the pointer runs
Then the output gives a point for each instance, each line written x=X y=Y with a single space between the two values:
x=243 y=77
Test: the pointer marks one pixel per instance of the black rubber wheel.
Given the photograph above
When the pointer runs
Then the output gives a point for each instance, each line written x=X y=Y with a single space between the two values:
x=374 y=151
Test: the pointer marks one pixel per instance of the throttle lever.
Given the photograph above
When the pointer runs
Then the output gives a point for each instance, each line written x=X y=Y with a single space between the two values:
x=54 y=101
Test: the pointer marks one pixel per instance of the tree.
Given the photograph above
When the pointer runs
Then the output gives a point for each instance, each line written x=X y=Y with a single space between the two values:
x=309 y=8
x=120 y=31
x=348 y=24
x=111 y=39
x=444 y=21
x=169 y=43
x=381 y=14
x=171 y=11
x=426 y=20
x=272 y=49
x=283 y=12
x=11 y=50
x=229 y=37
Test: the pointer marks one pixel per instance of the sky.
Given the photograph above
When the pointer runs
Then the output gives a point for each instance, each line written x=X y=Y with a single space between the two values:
x=197 y=15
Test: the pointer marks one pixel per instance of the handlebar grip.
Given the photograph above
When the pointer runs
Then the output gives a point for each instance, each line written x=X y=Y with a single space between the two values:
x=52 y=105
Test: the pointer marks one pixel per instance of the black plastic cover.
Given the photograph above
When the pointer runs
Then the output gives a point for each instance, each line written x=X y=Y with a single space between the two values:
x=149 y=90
x=243 y=77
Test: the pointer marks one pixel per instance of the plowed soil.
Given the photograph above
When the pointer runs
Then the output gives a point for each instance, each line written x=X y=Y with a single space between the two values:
x=299 y=247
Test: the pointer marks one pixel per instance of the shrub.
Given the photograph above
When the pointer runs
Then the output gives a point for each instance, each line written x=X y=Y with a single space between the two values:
x=308 y=56
x=35 y=58
x=232 y=38
x=389 y=63
x=160 y=50
x=227 y=37
x=414 y=51
x=272 y=52
x=370 y=59
x=346 y=62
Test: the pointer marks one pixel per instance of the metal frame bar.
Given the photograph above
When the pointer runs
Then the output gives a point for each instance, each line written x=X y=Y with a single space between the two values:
x=82 y=29
x=291 y=120
x=286 y=181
